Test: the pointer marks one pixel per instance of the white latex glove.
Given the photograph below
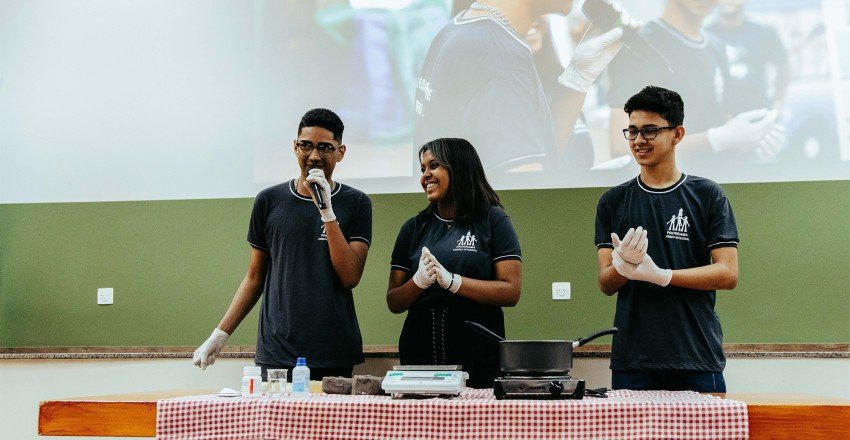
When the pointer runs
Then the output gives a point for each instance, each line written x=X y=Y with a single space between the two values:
x=633 y=246
x=622 y=267
x=645 y=271
x=422 y=278
x=206 y=353
x=589 y=60
x=317 y=176
x=446 y=279
x=771 y=144
x=745 y=131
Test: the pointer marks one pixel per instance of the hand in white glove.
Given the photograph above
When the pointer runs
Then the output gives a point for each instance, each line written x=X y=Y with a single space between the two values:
x=317 y=176
x=422 y=278
x=589 y=60
x=645 y=271
x=206 y=353
x=771 y=143
x=446 y=279
x=633 y=246
x=745 y=131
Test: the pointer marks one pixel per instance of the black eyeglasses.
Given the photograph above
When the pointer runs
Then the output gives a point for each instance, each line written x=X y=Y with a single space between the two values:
x=305 y=148
x=648 y=133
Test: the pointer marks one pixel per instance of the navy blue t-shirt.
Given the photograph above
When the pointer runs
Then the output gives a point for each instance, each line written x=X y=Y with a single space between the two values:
x=479 y=82
x=750 y=49
x=434 y=331
x=699 y=74
x=668 y=328
x=305 y=311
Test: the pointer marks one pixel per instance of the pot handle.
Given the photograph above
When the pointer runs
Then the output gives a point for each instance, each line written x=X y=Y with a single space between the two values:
x=484 y=331
x=585 y=340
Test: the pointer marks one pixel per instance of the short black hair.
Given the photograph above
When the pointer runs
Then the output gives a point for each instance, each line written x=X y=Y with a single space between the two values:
x=468 y=187
x=666 y=103
x=324 y=118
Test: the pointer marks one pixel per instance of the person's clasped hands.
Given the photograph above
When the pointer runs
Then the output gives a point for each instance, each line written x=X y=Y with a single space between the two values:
x=631 y=260
x=317 y=176
x=754 y=130
x=423 y=277
x=430 y=271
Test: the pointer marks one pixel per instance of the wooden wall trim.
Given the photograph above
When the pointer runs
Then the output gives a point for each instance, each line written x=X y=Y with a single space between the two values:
x=797 y=350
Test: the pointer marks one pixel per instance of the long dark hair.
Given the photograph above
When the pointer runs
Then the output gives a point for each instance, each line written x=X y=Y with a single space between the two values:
x=468 y=187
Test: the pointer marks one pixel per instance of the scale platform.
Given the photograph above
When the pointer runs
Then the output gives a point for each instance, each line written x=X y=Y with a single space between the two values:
x=425 y=380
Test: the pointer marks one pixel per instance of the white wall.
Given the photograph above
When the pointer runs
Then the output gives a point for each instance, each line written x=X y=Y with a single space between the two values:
x=125 y=100
x=24 y=383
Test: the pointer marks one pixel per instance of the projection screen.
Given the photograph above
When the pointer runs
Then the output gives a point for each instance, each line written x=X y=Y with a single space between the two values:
x=153 y=100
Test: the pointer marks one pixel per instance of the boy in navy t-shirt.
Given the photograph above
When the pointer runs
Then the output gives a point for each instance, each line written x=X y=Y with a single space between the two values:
x=305 y=260
x=679 y=245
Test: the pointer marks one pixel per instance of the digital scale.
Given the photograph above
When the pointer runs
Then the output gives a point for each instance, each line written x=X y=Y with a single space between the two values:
x=425 y=380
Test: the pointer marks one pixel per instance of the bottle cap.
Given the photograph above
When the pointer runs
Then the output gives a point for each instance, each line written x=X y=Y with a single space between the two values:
x=251 y=371
x=301 y=362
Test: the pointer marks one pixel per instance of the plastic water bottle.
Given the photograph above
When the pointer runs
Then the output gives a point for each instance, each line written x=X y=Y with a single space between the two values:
x=252 y=382
x=301 y=378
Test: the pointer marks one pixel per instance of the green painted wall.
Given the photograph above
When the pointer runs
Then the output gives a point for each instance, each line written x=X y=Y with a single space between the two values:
x=175 y=265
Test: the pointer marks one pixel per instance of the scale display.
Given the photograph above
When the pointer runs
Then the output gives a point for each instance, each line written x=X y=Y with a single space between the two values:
x=409 y=378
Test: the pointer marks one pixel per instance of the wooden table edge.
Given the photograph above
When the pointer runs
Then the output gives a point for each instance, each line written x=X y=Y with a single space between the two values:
x=118 y=415
x=771 y=416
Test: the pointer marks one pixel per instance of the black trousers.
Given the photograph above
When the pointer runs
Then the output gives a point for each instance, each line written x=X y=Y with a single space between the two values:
x=672 y=380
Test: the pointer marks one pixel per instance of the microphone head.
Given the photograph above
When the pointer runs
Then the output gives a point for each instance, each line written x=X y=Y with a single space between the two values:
x=602 y=13
x=606 y=14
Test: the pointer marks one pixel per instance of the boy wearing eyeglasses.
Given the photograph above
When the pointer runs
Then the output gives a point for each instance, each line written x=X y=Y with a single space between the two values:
x=306 y=259
x=666 y=242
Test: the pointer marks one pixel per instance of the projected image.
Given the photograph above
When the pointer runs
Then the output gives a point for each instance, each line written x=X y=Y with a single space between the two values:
x=201 y=98
x=758 y=78
x=360 y=58
x=757 y=84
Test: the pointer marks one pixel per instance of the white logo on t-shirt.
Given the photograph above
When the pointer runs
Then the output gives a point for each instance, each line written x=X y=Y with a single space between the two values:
x=718 y=85
x=677 y=226
x=466 y=242
x=324 y=235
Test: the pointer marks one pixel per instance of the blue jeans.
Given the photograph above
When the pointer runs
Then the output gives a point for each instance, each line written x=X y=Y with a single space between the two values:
x=672 y=380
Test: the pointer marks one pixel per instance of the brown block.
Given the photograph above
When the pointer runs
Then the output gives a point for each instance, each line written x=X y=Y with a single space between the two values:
x=367 y=385
x=336 y=385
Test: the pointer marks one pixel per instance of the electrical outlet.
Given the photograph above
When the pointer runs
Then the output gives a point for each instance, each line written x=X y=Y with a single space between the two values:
x=104 y=295
x=561 y=291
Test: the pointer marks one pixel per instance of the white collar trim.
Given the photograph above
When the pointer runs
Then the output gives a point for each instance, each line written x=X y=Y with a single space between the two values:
x=461 y=21
x=681 y=37
x=655 y=191
x=292 y=184
x=443 y=219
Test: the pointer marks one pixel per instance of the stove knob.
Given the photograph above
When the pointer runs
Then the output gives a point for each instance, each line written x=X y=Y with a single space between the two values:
x=556 y=388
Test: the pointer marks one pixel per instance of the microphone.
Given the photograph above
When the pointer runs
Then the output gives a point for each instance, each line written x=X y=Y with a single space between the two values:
x=606 y=15
x=317 y=193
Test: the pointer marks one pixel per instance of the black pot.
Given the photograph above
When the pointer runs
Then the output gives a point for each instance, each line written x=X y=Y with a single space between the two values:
x=537 y=358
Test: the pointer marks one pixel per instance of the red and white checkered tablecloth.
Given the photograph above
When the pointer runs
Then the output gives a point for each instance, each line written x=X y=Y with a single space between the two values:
x=475 y=414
